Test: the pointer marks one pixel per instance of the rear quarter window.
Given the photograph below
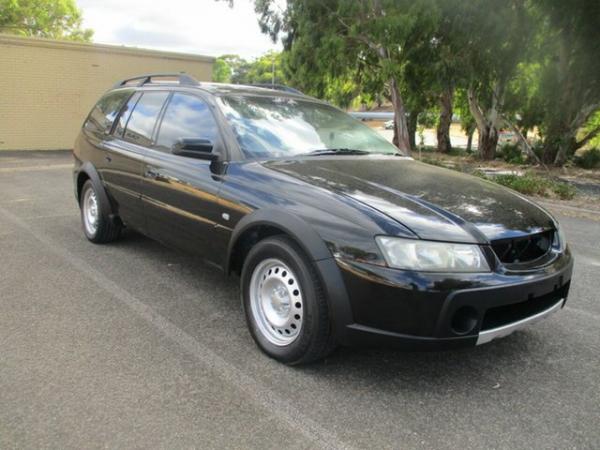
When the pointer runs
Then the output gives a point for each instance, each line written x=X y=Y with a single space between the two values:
x=104 y=113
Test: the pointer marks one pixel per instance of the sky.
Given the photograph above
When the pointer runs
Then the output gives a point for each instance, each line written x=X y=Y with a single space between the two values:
x=205 y=27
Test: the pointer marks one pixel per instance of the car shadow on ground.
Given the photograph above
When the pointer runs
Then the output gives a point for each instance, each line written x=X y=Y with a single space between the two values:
x=487 y=366
x=435 y=370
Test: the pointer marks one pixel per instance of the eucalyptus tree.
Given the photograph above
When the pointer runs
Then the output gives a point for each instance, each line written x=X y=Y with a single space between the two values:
x=448 y=64
x=221 y=71
x=418 y=85
x=54 y=19
x=369 y=39
x=494 y=39
x=569 y=91
x=467 y=123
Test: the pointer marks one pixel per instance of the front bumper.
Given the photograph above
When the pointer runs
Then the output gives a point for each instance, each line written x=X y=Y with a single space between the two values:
x=414 y=311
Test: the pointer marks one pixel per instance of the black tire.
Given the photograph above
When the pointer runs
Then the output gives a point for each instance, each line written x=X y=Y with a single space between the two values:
x=106 y=230
x=314 y=340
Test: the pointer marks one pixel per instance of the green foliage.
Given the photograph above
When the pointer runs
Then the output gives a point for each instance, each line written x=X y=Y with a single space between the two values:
x=221 y=72
x=512 y=154
x=461 y=107
x=428 y=118
x=523 y=98
x=262 y=70
x=530 y=184
x=341 y=49
x=569 y=56
x=266 y=69
x=434 y=162
x=564 y=191
x=589 y=159
x=591 y=132
x=237 y=66
x=53 y=19
x=533 y=62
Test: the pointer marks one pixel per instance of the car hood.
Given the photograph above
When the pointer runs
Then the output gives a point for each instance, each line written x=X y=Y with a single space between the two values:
x=434 y=203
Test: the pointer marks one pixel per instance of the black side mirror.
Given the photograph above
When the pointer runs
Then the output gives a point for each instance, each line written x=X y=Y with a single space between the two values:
x=194 y=148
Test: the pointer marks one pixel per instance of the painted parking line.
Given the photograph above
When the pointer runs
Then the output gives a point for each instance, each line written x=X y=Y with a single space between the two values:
x=35 y=168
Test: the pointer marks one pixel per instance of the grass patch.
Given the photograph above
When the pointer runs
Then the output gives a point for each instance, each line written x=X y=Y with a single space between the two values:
x=435 y=162
x=530 y=184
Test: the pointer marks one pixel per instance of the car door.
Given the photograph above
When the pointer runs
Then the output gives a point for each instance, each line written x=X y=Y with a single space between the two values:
x=179 y=193
x=123 y=166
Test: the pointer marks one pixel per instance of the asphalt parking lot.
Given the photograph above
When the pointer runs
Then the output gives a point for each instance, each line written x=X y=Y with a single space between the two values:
x=134 y=345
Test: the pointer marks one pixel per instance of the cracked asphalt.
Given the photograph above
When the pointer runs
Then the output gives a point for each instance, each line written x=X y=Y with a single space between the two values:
x=133 y=345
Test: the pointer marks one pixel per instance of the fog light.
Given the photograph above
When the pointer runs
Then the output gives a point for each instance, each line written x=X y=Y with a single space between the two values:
x=464 y=320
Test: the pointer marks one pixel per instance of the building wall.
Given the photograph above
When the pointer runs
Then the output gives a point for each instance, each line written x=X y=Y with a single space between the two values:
x=48 y=87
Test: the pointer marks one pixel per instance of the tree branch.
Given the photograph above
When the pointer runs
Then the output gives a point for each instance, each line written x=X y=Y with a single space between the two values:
x=583 y=115
x=359 y=37
x=591 y=135
x=524 y=142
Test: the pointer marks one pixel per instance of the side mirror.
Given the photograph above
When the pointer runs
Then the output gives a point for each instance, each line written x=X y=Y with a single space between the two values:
x=194 y=148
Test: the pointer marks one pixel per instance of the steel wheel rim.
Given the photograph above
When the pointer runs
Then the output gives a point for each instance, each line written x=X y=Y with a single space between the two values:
x=90 y=211
x=276 y=302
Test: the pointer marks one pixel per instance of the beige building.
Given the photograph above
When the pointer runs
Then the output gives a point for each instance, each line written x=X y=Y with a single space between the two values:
x=48 y=87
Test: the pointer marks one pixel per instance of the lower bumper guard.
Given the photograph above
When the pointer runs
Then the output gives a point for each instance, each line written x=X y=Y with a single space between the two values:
x=486 y=336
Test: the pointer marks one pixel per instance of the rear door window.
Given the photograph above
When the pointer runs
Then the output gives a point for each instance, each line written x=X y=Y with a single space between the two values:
x=186 y=116
x=125 y=113
x=143 y=118
x=102 y=117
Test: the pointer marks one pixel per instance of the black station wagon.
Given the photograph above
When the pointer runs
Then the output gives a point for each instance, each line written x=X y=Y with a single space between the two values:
x=338 y=238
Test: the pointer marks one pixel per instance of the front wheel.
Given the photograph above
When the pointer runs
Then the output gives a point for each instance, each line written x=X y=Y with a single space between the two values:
x=285 y=306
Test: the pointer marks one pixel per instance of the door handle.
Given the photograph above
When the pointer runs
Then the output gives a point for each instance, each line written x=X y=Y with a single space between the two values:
x=107 y=158
x=151 y=173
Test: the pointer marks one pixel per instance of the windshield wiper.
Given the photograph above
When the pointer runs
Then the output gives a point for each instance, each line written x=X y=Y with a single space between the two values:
x=336 y=151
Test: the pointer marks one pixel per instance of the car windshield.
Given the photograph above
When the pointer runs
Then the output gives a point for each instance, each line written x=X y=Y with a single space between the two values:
x=274 y=127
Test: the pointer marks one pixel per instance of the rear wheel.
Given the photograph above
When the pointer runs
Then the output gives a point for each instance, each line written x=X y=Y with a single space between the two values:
x=97 y=225
x=286 y=309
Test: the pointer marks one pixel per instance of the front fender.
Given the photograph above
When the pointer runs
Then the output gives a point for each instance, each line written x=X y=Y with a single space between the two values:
x=292 y=225
x=316 y=249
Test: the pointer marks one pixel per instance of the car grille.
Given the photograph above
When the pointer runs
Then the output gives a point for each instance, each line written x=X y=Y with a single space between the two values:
x=524 y=248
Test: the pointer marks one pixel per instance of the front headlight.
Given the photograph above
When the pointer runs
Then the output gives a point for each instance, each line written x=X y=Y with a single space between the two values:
x=430 y=256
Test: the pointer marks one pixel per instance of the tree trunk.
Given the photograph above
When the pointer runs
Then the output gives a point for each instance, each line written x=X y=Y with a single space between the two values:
x=559 y=143
x=400 y=125
x=488 y=140
x=561 y=139
x=412 y=122
x=470 y=140
x=443 y=129
x=487 y=124
x=566 y=147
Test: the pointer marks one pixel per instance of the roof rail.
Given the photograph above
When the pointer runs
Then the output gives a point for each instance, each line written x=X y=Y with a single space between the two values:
x=182 y=78
x=277 y=87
